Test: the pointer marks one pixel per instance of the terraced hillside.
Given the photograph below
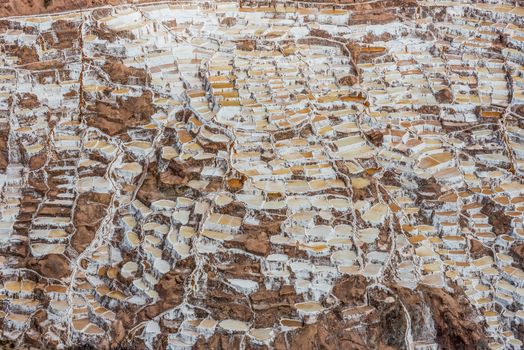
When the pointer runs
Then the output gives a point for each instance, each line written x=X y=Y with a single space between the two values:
x=262 y=175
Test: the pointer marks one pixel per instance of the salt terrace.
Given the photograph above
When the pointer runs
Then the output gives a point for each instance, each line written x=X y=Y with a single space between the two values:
x=264 y=175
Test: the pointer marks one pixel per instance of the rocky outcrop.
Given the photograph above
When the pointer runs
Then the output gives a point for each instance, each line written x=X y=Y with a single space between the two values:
x=450 y=316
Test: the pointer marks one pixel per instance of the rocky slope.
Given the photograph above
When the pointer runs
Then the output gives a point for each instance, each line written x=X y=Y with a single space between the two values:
x=38 y=7
x=261 y=175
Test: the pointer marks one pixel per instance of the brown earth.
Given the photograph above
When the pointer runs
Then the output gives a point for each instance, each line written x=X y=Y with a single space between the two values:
x=90 y=209
x=351 y=290
x=375 y=137
x=517 y=251
x=386 y=323
x=348 y=80
x=52 y=265
x=115 y=119
x=444 y=96
x=104 y=33
x=4 y=149
x=32 y=7
x=25 y=54
x=37 y=161
x=259 y=245
x=65 y=35
x=384 y=320
x=478 y=250
x=452 y=314
x=246 y=45
x=28 y=101
x=170 y=289
x=120 y=73
x=500 y=221
x=270 y=305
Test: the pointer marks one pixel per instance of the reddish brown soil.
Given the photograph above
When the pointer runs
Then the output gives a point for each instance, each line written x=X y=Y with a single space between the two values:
x=170 y=289
x=4 y=154
x=37 y=161
x=501 y=222
x=478 y=250
x=65 y=35
x=246 y=45
x=444 y=96
x=517 y=251
x=350 y=290
x=52 y=265
x=26 y=55
x=115 y=119
x=386 y=324
x=348 y=80
x=121 y=74
x=375 y=137
x=32 y=7
x=91 y=208
x=452 y=315
x=28 y=101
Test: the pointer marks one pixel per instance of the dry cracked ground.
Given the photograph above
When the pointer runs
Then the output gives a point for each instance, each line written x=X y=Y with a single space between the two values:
x=262 y=175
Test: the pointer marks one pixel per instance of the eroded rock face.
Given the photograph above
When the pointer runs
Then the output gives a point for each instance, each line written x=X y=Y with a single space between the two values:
x=254 y=175
x=449 y=315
